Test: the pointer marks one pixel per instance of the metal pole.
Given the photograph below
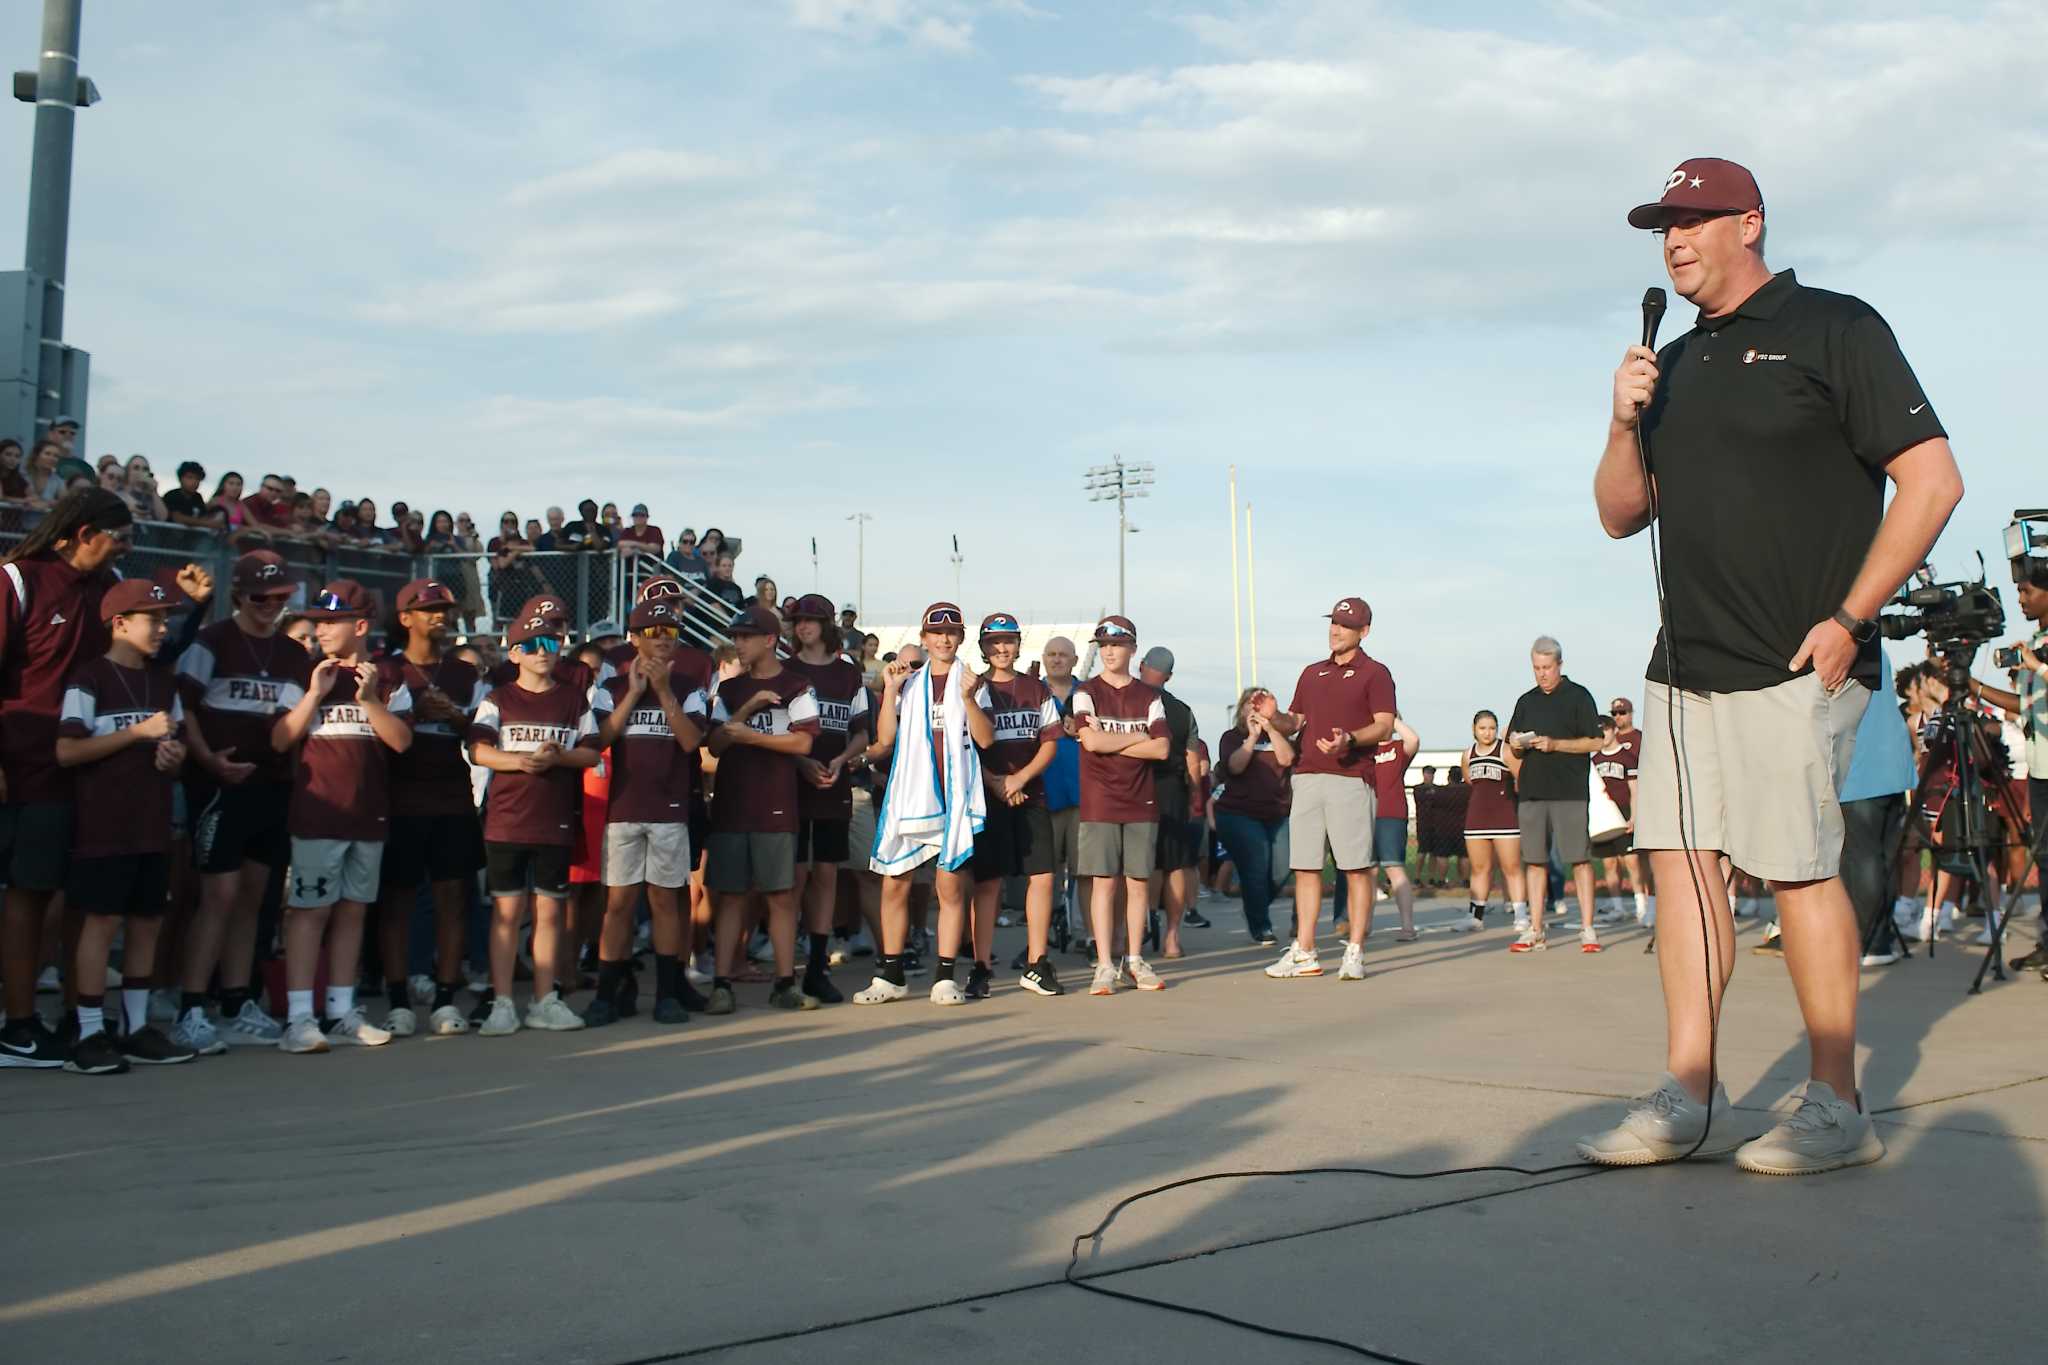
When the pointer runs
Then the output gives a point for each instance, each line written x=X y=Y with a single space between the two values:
x=1121 y=536
x=49 y=192
x=1236 y=620
x=1251 y=578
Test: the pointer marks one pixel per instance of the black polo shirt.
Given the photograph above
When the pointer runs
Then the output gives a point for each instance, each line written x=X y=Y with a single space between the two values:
x=1768 y=434
x=1170 y=774
x=1565 y=712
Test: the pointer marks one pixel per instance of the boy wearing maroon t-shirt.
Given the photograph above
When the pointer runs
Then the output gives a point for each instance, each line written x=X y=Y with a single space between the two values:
x=234 y=678
x=1016 y=839
x=764 y=719
x=354 y=712
x=569 y=670
x=119 y=733
x=1121 y=725
x=435 y=835
x=1343 y=707
x=650 y=716
x=536 y=736
x=824 y=799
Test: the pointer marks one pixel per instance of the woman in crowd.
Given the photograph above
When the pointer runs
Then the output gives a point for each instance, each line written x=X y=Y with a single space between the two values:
x=1493 y=831
x=13 y=482
x=766 y=594
x=512 y=582
x=684 y=558
x=709 y=544
x=45 y=484
x=227 y=500
x=140 y=490
x=1252 y=800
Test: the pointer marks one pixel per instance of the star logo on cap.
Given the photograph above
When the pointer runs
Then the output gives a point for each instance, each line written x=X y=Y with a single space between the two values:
x=1697 y=182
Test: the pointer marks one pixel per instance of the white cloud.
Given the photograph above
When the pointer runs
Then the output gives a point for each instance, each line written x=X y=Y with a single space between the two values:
x=637 y=169
x=945 y=27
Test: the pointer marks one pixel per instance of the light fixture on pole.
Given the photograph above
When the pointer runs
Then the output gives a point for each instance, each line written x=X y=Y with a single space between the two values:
x=1121 y=482
x=814 y=563
x=860 y=574
x=957 y=560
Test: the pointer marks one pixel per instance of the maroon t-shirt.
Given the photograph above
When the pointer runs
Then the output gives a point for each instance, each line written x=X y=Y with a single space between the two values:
x=122 y=804
x=1024 y=716
x=571 y=673
x=842 y=710
x=1332 y=696
x=1389 y=792
x=1617 y=765
x=756 y=790
x=650 y=534
x=533 y=808
x=235 y=685
x=49 y=626
x=1115 y=788
x=342 y=788
x=432 y=777
x=650 y=779
x=1260 y=791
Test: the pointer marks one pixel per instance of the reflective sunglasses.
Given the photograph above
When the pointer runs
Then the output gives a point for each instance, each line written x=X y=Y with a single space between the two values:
x=661 y=587
x=331 y=601
x=546 y=644
x=1000 y=625
x=657 y=633
x=944 y=616
x=1110 y=628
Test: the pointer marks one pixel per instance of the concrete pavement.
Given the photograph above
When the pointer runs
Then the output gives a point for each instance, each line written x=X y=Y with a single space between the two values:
x=905 y=1181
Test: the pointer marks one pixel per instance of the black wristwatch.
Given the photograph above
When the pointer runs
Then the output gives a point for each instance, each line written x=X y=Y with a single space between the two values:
x=1861 y=630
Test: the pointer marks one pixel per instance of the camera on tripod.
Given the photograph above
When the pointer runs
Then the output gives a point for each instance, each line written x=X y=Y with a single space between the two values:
x=1956 y=617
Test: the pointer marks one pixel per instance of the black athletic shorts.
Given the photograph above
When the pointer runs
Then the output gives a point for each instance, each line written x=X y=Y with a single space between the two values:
x=1015 y=841
x=239 y=823
x=822 y=841
x=35 y=844
x=123 y=884
x=1620 y=846
x=432 y=848
x=1180 y=845
x=515 y=869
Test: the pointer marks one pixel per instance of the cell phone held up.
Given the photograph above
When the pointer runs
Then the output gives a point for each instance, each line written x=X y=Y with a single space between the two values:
x=2006 y=657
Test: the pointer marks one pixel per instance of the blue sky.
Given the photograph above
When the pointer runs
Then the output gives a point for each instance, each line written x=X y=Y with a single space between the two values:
x=766 y=264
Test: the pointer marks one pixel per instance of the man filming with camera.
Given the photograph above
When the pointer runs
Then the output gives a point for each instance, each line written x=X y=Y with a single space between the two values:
x=2029 y=705
x=1759 y=443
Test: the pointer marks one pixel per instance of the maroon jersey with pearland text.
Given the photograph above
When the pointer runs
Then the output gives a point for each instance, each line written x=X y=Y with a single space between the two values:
x=756 y=790
x=122 y=804
x=1117 y=789
x=842 y=711
x=236 y=685
x=1333 y=696
x=432 y=777
x=342 y=788
x=1024 y=717
x=49 y=626
x=650 y=771
x=533 y=808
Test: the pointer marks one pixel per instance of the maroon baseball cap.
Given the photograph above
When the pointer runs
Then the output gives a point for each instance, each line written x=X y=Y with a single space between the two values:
x=655 y=589
x=342 y=599
x=941 y=617
x=655 y=611
x=1352 y=612
x=1701 y=184
x=1001 y=625
x=548 y=605
x=755 y=620
x=425 y=594
x=1116 y=630
x=532 y=625
x=813 y=606
x=262 y=571
x=134 y=594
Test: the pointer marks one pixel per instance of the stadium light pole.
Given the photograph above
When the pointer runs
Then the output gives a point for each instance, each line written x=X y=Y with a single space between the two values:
x=860 y=571
x=1121 y=482
x=1236 y=613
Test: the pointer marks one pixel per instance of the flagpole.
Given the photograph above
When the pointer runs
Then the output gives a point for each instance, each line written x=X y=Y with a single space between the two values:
x=1251 y=583
x=1236 y=617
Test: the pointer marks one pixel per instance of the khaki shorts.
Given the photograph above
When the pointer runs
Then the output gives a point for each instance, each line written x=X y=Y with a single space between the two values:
x=636 y=852
x=1332 y=809
x=1761 y=772
x=328 y=870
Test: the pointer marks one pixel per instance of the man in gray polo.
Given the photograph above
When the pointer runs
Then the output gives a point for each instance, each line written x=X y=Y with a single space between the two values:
x=1556 y=729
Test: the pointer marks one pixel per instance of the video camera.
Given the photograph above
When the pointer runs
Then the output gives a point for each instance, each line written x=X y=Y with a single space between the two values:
x=1957 y=616
x=2026 y=539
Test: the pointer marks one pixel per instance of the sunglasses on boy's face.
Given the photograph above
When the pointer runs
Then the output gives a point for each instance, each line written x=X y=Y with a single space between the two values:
x=544 y=644
x=657 y=633
x=273 y=599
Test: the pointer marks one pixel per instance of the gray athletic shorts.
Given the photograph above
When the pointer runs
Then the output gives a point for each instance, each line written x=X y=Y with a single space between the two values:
x=328 y=870
x=1332 y=809
x=1066 y=835
x=1564 y=821
x=1761 y=773
x=736 y=862
x=1106 y=850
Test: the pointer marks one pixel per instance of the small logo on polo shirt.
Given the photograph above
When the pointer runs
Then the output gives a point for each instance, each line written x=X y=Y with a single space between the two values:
x=58 y=618
x=1752 y=355
x=1913 y=412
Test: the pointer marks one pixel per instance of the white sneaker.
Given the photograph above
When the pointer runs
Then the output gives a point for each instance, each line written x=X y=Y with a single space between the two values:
x=447 y=1021
x=503 y=1020
x=1104 y=981
x=881 y=992
x=1296 y=962
x=948 y=993
x=1141 y=974
x=1663 y=1126
x=1883 y=959
x=1463 y=923
x=698 y=971
x=1354 y=963
x=196 y=1031
x=552 y=1014
x=1825 y=1133
x=1003 y=920
x=163 y=1006
x=401 y=1022
x=420 y=987
x=354 y=1029
x=1522 y=922
x=251 y=1027
x=302 y=1035
x=1983 y=938
x=1648 y=917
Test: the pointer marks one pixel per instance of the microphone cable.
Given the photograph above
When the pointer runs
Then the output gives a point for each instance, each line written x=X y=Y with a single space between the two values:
x=1653 y=312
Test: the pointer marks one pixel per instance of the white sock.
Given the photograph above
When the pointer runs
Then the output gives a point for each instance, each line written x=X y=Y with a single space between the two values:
x=91 y=1019
x=298 y=1004
x=1642 y=904
x=135 y=1008
x=340 y=1000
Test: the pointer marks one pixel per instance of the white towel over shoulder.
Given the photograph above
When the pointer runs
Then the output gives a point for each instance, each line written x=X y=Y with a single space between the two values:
x=927 y=811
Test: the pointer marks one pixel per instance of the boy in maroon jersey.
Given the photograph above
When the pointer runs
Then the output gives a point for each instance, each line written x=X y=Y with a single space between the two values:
x=763 y=721
x=569 y=670
x=435 y=835
x=1016 y=838
x=354 y=713
x=234 y=679
x=119 y=733
x=536 y=736
x=824 y=800
x=650 y=716
x=1121 y=725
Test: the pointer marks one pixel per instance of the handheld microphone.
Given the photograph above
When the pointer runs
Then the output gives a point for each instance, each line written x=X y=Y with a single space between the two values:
x=1653 y=314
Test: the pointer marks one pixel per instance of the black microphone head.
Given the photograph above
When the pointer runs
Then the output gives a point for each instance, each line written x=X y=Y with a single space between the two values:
x=1653 y=313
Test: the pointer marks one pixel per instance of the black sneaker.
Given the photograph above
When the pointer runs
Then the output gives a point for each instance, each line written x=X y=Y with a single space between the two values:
x=30 y=1044
x=600 y=1012
x=1041 y=979
x=1194 y=919
x=693 y=999
x=790 y=998
x=1019 y=962
x=481 y=1010
x=2038 y=959
x=978 y=982
x=153 y=1047
x=1267 y=940
x=627 y=1000
x=667 y=1011
x=913 y=963
x=721 y=1001
x=96 y=1056
x=821 y=989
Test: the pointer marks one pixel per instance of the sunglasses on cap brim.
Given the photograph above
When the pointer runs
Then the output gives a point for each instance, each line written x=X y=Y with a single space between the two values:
x=945 y=617
x=334 y=601
x=1113 y=635
x=1002 y=625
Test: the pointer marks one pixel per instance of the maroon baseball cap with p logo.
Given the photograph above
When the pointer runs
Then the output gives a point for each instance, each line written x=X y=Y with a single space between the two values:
x=261 y=571
x=1700 y=185
x=1352 y=612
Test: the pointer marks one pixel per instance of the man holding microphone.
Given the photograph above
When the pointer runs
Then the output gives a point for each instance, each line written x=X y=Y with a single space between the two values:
x=1781 y=412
